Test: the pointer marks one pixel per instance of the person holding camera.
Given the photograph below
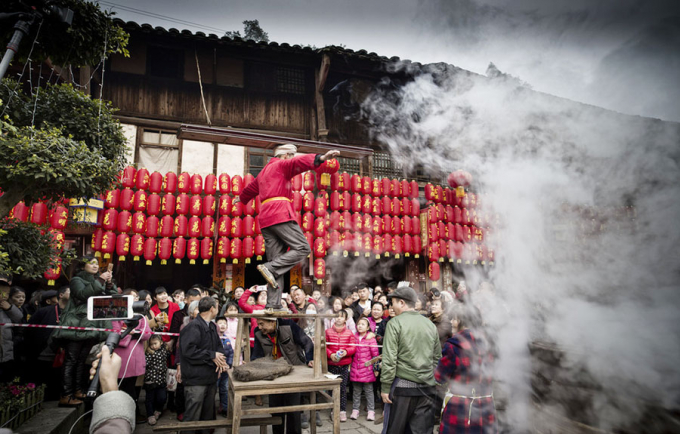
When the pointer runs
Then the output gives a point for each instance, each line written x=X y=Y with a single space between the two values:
x=87 y=282
x=113 y=411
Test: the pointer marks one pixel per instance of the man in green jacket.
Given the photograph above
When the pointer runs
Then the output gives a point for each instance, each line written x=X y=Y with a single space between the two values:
x=411 y=351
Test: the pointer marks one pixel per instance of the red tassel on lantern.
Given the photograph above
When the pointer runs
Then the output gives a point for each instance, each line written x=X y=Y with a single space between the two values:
x=193 y=247
x=259 y=247
x=164 y=250
x=206 y=250
x=208 y=226
x=128 y=177
x=224 y=183
x=183 y=204
x=236 y=250
x=224 y=226
x=223 y=249
x=152 y=225
x=319 y=270
x=108 y=243
x=124 y=221
x=170 y=182
x=142 y=179
x=168 y=204
x=433 y=271
x=137 y=246
x=179 y=248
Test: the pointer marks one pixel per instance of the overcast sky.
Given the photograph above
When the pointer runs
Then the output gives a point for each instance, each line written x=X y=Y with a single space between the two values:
x=619 y=54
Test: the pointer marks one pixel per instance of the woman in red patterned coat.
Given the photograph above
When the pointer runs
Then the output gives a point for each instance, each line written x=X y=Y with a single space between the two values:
x=466 y=369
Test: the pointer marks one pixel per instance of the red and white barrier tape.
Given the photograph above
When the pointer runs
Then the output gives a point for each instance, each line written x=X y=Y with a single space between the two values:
x=94 y=329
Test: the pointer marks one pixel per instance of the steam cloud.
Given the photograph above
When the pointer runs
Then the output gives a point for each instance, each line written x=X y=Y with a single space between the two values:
x=602 y=289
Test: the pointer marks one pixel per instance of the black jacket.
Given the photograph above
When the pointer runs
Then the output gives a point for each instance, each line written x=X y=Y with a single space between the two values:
x=199 y=342
x=358 y=310
x=290 y=338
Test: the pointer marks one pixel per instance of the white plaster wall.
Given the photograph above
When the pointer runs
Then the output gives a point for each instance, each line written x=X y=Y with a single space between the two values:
x=231 y=160
x=130 y=133
x=197 y=157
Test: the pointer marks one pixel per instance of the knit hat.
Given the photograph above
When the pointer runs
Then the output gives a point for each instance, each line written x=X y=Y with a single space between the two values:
x=288 y=148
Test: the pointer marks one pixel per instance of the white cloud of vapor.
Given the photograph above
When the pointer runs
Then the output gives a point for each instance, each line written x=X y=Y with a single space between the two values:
x=602 y=288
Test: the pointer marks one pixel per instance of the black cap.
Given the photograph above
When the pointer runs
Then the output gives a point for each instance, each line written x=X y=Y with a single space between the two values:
x=47 y=295
x=405 y=293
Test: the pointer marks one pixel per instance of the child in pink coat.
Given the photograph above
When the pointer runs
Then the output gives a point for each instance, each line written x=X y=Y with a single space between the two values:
x=362 y=377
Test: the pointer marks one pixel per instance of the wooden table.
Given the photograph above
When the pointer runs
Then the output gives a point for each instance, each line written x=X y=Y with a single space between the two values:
x=300 y=380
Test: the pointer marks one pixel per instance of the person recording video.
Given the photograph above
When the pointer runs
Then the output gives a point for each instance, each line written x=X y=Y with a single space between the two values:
x=113 y=411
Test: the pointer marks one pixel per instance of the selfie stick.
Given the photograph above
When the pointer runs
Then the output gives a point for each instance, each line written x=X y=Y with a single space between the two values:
x=112 y=342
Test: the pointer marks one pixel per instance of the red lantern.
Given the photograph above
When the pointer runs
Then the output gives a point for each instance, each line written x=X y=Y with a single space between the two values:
x=376 y=187
x=249 y=209
x=184 y=204
x=297 y=201
x=258 y=204
x=377 y=246
x=96 y=244
x=356 y=202
x=236 y=228
x=355 y=184
x=164 y=250
x=155 y=182
x=20 y=212
x=397 y=246
x=417 y=246
x=395 y=208
x=415 y=207
x=429 y=192
x=194 y=227
x=209 y=205
x=210 y=184
x=395 y=189
x=153 y=204
x=335 y=201
x=324 y=172
x=459 y=178
x=248 y=226
x=308 y=201
x=438 y=194
x=225 y=204
x=110 y=221
x=307 y=222
x=386 y=186
x=405 y=207
x=319 y=270
x=152 y=225
x=450 y=231
x=407 y=245
x=345 y=201
x=367 y=244
x=248 y=248
x=308 y=181
x=377 y=225
x=170 y=182
x=367 y=223
x=248 y=179
x=345 y=221
x=167 y=226
x=448 y=214
x=296 y=182
x=443 y=249
x=128 y=177
x=224 y=182
x=181 y=226
x=53 y=273
x=59 y=217
x=259 y=247
x=357 y=222
x=179 y=248
x=195 y=205
x=223 y=249
x=387 y=224
x=387 y=242
x=404 y=188
x=208 y=226
x=467 y=217
x=224 y=226
x=193 y=247
x=184 y=182
x=39 y=213
x=168 y=204
x=376 y=206
x=387 y=205
x=467 y=234
x=320 y=207
x=457 y=215
x=319 y=249
x=433 y=251
x=414 y=190
x=433 y=271
x=406 y=225
x=335 y=221
x=344 y=182
x=124 y=221
x=137 y=246
x=358 y=244
x=58 y=238
x=334 y=242
x=108 y=243
x=366 y=185
x=236 y=251
x=139 y=200
x=206 y=250
x=142 y=179
x=320 y=227
x=415 y=226
x=236 y=185
x=395 y=226
x=366 y=202
x=112 y=198
x=477 y=233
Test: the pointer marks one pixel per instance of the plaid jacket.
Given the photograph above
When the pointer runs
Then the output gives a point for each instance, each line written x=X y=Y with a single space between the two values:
x=466 y=369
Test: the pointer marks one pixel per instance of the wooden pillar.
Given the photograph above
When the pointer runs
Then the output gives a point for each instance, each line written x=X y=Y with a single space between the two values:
x=319 y=83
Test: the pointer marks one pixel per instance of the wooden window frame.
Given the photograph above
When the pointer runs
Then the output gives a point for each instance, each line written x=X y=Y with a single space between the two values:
x=140 y=143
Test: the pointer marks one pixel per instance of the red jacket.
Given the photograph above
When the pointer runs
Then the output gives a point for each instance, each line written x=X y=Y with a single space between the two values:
x=247 y=308
x=341 y=340
x=174 y=307
x=274 y=182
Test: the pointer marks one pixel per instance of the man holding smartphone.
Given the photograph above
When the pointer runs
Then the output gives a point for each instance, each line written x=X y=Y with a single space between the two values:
x=277 y=216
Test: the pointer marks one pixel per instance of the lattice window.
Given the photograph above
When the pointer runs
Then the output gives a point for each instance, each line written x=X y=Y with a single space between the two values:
x=263 y=77
x=350 y=165
x=385 y=167
x=158 y=150
x=257 y=159
x=290 y=80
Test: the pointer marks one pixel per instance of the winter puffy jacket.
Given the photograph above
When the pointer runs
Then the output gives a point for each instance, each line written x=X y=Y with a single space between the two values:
x=366 y=350
x=11 y=315
x=245 y=307
x=340 y=341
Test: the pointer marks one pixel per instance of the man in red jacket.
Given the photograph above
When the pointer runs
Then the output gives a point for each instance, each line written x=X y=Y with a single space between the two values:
x=277 y=216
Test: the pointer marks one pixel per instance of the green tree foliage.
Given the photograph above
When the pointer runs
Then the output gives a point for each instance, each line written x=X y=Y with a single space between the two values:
x=80 y=44
x=251 y=30
x=69 y=151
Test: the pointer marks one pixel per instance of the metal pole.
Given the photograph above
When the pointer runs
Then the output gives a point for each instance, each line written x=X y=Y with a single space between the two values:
x=21 y=28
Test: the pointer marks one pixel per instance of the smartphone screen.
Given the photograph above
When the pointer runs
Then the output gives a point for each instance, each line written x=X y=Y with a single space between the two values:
x=110 y=307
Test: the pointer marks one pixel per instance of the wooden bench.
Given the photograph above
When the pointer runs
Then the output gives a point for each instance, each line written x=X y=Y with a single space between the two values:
x=263 y=422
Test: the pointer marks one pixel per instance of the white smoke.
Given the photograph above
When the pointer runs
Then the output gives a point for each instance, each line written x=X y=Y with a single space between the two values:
x=601 y=286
